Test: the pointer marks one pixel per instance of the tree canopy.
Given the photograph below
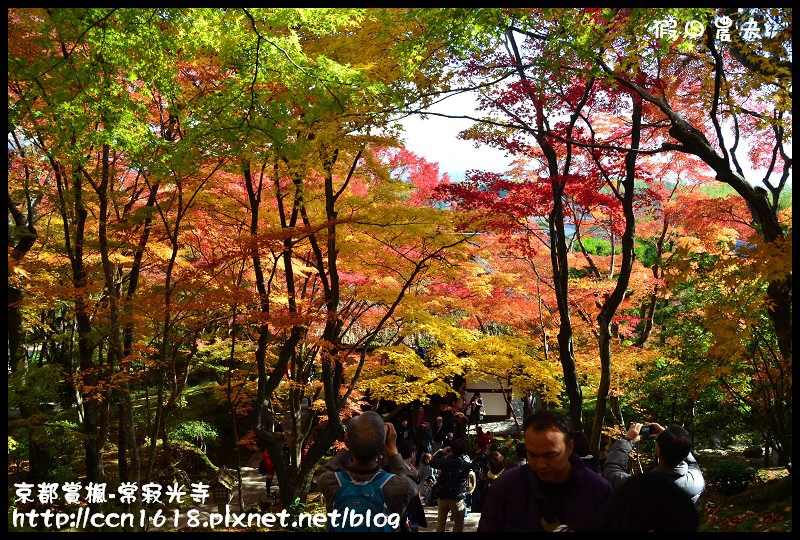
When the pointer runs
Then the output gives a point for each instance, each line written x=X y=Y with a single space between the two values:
x=220 y=198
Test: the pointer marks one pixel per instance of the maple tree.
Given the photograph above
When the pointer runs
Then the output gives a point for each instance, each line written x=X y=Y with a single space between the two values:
x=525 y=201
x=471 y=323
x=727 y=341
x=709 y=113
x=340 y=277
x=24 y=199
x=567 y=44
x=747 y=73
x=345 y=241
x=61 y=96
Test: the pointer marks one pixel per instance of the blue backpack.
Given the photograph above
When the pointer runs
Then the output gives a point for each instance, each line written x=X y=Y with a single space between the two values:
x=358 y=504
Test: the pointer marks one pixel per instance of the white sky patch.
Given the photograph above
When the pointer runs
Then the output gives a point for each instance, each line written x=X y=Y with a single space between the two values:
x=436 y=139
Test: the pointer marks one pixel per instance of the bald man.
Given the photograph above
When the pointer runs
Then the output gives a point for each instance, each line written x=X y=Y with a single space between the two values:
x=371 y=443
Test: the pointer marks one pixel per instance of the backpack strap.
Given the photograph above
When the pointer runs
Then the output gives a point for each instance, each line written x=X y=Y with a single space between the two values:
x=343 y=477
x=382 y=477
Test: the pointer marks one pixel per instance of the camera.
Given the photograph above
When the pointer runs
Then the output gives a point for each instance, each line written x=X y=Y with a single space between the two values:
x=645 y=432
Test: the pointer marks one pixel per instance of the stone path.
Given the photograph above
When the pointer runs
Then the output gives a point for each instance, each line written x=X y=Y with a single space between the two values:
x=253 y=492
x=431 y=514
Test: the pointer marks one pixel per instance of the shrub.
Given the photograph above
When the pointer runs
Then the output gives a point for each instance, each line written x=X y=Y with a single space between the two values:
x=729 y=477
x=470 y=448
x=299 y=507
x=596 y=246
x=62 y=440
x=193 y=431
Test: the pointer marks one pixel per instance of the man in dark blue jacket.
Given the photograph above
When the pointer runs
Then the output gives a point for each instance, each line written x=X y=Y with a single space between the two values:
x=553 y=488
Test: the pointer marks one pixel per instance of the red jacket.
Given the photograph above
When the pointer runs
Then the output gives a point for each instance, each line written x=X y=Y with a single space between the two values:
x=482 y=441
x=268 y=465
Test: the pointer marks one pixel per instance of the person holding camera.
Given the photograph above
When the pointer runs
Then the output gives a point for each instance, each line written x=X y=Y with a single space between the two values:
x=371 y=443
x=450 y=489
x=645 y=503
x=673 y=451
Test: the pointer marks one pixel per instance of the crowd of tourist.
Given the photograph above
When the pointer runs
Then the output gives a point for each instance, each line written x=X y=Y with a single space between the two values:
x=546 y=481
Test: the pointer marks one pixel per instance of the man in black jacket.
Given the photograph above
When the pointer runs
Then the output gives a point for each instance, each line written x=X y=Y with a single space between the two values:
x=451 y=486
x=674 y=453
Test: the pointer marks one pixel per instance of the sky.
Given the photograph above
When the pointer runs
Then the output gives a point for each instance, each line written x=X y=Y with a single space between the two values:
x=436 y=139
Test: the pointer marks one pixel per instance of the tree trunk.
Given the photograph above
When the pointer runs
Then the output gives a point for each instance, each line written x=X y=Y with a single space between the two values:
x=87 y=370
x=39 y=458
x=609 y=308
x=558 y=249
